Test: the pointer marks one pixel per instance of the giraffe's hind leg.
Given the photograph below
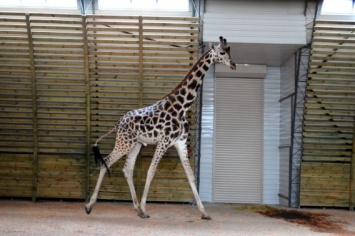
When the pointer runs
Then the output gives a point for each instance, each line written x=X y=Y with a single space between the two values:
x=93 y=198
x=159 y=152
x=113 y=156
x=128 y=172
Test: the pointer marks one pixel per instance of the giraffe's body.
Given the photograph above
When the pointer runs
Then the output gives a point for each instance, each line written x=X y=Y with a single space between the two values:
x=163 y=124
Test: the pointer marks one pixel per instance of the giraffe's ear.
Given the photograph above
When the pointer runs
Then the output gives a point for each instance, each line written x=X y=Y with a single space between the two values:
x=211 y=46
x=228 y=50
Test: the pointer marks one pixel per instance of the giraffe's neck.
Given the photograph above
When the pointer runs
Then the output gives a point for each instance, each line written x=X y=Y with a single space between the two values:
x=186 y=92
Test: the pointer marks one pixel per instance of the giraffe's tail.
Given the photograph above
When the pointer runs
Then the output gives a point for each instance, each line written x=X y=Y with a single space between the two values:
x=103 y=136
x=98 y=157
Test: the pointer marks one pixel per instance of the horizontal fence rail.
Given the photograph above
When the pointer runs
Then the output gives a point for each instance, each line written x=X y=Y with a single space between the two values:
x=65 y=80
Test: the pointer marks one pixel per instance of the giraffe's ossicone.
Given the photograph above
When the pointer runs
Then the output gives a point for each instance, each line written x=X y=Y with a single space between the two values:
x=162 y=124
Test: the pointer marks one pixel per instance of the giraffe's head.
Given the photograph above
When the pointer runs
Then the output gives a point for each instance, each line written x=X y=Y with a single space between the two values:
x=221 y=53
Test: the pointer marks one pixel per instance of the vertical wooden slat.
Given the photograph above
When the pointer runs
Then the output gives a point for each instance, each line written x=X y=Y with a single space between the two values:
x=34 y=109
x=140 y=104
x=87 y=94
x=140 y=61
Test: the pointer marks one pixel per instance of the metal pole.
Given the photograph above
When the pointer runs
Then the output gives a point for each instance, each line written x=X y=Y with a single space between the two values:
x=293 y=119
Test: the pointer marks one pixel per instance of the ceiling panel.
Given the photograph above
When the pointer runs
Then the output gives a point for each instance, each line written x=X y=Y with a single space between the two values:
x=262 y=54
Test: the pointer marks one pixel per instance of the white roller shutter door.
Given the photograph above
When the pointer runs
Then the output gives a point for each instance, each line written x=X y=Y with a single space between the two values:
x=238 y=162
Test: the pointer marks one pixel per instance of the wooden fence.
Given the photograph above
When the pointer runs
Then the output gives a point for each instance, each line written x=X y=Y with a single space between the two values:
x=328 y=162
x=65 y=80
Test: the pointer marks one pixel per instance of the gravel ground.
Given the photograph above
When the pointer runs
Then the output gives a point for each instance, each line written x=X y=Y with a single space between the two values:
x=110 y=218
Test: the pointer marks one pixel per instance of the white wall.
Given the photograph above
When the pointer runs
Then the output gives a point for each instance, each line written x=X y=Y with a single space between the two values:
x=271 y=135
x=207 y=134
x=258 y=21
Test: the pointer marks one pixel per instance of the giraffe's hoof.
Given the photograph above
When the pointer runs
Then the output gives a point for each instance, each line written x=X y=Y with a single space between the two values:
x=88 y=210
x=206 y=217
x=143 y=215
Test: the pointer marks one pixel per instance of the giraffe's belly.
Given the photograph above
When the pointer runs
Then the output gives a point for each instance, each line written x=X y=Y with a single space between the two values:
x=145 y=140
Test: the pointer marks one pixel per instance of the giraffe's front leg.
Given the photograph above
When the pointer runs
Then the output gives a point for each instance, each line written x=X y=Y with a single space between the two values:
x=182 y=150
x=159 y=152
x=128 y=172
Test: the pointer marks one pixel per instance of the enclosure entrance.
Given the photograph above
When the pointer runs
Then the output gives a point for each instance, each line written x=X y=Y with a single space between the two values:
x=237 y=176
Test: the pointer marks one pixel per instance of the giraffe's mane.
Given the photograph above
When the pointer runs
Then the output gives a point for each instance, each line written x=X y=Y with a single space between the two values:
x=186 y=76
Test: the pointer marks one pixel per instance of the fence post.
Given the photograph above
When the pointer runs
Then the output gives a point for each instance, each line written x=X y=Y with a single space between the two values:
x=34 y=109
x=352 y=174
x=87 y=98
x=140 y=102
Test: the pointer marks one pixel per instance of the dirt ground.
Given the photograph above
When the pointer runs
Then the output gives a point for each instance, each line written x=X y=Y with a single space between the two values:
x=112 y=218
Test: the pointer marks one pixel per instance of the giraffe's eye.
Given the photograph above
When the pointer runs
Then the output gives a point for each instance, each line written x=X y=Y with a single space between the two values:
x=222 y=53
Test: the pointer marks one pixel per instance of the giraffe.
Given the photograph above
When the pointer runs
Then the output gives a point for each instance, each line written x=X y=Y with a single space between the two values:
x=162 y=124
